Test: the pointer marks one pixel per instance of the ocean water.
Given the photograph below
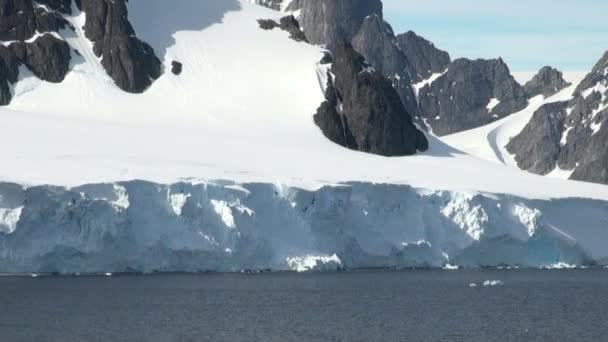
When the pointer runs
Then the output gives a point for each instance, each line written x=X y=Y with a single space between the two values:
x=424 y=305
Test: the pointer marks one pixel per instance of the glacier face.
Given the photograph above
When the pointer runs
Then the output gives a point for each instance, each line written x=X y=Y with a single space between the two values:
x=139 y=226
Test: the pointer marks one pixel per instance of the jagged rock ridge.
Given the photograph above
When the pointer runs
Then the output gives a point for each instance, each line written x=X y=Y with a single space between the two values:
x=572 y=132
x=470 y=94
x=424 y=58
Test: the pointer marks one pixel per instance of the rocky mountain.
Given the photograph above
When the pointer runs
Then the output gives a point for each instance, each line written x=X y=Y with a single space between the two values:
x=569 y=135
x=470 y=94
x=411 y=62
x=424 y=58
x=363 y=111
x=549 y=81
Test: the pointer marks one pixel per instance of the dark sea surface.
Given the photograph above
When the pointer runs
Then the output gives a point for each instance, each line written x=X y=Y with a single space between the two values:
x=532 y=305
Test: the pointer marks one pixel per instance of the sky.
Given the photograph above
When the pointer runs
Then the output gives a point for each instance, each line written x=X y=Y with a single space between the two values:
x=571 y=35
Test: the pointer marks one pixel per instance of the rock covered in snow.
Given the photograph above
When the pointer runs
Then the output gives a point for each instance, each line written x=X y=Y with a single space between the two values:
x=363 y=111
x=547 y=82
x=470 y=94
x=45 y=55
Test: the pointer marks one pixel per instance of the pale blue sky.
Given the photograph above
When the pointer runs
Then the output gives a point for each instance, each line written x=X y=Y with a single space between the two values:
x=528 y=34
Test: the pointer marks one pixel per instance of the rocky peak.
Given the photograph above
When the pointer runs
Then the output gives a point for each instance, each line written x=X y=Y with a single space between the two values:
x=547 y=82
x=470 y=94
x=363 y=111
x=424 y=58
x=328 y=22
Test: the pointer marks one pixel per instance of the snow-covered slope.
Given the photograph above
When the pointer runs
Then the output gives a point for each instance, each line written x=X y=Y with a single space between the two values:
x=489 y=142
x=242 y=111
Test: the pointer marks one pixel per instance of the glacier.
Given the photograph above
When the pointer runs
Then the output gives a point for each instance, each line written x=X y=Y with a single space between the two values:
x=141 y=226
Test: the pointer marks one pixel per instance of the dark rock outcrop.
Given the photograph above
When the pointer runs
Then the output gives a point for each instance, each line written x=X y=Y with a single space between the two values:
x=288 y=24
x=9 y=72
x=547 y=82
x=47 y=57
x=63 y=6
x=538 y=146
x=17 y=20
x=176 y=68
x=423 y=57
x=363 y=111
x=130 y=62
x=575 y=132
x=328 y=22
x=469 y=95
x=376 y=42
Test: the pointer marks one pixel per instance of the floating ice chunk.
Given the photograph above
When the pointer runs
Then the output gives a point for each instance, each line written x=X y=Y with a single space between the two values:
x=493 y=283
x=108 y=274
x=314 y=263
x=450 y=267
x=559 y=266
x=472 y=285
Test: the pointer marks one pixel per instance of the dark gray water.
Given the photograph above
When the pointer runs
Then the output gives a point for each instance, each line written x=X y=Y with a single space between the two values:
x=359 y=306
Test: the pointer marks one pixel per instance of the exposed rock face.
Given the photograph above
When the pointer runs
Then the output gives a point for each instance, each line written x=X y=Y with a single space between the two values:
x=538 y=145
x=17 y=20
x=574 y=130
x=47 y=57
x=9 y=72
x=547 y=82
x=20 y=20
x=288 y=24
x=130 y=62
x=469 y=95
x=423 y=57
x=376 y=42
x=363 y=111
x=328 y=22
x=63 y=6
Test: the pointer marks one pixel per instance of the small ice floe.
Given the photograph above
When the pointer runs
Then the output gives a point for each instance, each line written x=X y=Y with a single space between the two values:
x=472 y=285
x=450 y=267
x=493 y=283
x=34 y=275
x=108 y=274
